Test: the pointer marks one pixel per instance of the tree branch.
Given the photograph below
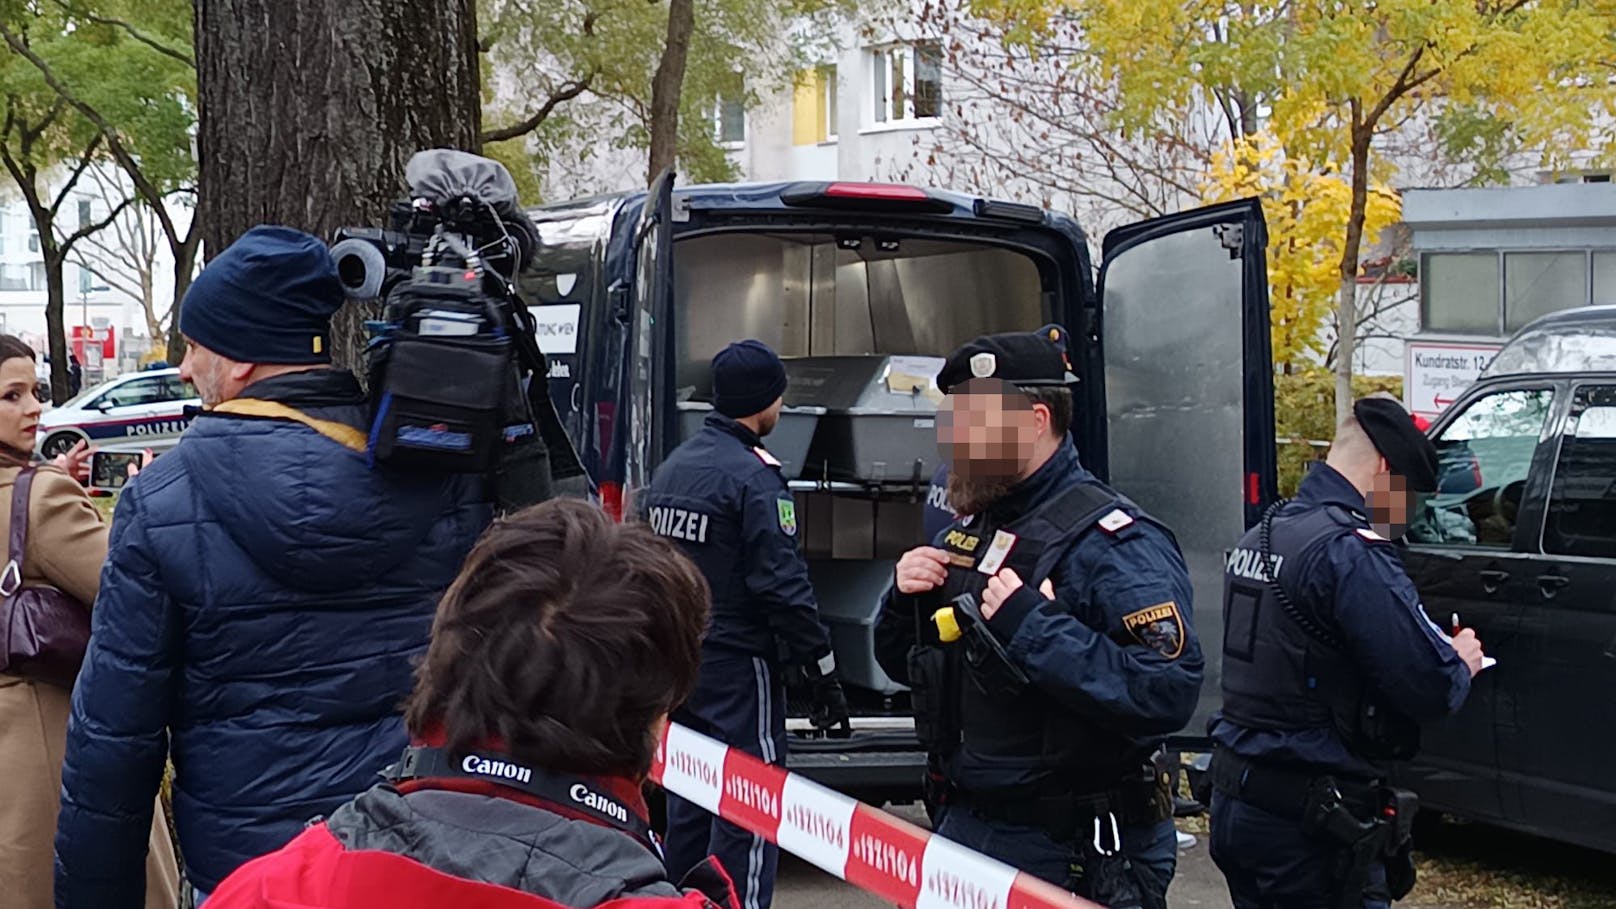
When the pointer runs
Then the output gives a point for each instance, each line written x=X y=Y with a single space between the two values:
x=521 y=128
x=86 y=230
x=78 y=171
x=149 y=192
x=152 y=43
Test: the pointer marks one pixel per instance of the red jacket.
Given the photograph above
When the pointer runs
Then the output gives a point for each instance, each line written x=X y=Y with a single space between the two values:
x=441 y=846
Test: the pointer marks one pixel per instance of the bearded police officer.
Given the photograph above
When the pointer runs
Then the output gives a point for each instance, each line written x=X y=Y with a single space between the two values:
x=1328 y=661
x=721 y=497
x=1047 y=637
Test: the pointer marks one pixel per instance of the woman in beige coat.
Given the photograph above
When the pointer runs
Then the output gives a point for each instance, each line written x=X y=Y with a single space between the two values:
x=67 y=542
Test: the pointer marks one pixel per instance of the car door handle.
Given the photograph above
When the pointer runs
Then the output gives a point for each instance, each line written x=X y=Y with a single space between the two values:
x=1550 y=584
x=1492 y=579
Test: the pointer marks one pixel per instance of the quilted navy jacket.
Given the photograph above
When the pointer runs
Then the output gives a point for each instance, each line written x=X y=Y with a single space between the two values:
x=265 y=596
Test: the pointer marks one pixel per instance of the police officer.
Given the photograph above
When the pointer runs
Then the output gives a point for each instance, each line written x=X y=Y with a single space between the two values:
x=1041 y=718
x=1328 y=661
x=721 y=497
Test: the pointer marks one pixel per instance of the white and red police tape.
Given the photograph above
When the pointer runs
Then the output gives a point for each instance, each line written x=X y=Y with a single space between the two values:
x=868 y=848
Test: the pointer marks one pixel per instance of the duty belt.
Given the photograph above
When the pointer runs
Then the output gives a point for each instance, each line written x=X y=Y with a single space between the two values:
x=1288 y=792
x=1067 y=815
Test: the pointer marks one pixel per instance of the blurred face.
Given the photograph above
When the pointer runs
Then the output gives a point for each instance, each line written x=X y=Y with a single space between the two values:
x=1390 y=502
x=217 y=378
x=987 y=430
x=770 y=418
x=19 y=407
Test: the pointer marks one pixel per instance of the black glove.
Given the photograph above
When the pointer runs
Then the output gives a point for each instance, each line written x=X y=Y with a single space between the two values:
x=827 y=702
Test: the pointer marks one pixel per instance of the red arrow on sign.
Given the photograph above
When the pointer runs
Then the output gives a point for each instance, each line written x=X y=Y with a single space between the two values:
x=1441 y=401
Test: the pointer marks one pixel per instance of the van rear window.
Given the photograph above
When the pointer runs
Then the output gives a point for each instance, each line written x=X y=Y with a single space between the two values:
x=817 y=295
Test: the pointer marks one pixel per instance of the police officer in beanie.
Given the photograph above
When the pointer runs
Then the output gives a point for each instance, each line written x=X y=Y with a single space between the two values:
x=1043 y=696
x=1328 y=662
x=721 y=497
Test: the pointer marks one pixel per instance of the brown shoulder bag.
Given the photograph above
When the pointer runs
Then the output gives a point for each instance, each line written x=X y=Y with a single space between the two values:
x=44 y=630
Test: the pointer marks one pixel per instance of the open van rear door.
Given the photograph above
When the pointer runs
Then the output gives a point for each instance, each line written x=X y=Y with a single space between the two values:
x=644 y=430
x=1182 y=317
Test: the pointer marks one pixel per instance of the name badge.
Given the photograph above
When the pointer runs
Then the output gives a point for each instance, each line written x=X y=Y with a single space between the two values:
x=998 y=551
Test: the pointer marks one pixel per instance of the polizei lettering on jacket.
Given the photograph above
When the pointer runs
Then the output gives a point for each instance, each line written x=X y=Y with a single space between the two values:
x=757 y=797
x=504 y=770
x=1245 y=563
x=589 y=798
x=679 y=524
x=888 y=859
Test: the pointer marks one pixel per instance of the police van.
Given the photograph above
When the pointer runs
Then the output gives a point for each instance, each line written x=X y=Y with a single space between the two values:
x=863 y=289
x=1519 y=543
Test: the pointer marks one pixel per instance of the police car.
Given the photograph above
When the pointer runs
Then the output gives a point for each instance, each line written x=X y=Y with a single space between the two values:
x=135 y=407
x=1519 y=543
x=863 y=289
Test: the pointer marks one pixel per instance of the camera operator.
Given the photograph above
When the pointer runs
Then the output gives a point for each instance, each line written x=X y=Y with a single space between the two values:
x=265 y=593
x=555 y=660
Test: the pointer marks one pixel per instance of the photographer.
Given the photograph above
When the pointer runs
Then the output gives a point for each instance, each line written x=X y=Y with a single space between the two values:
x=265 y=593
x=555 y=660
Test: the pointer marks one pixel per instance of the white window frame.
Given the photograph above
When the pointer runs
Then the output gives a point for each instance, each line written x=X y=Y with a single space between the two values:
x=878 y=106
x=829 y=82
x=718 y=125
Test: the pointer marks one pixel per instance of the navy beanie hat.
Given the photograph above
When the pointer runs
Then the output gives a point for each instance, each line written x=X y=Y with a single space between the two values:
x=747 y=378
x=267 y=299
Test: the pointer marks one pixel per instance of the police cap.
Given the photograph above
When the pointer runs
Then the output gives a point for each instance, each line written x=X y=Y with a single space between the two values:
x=1018 y=357
x=1407 y=450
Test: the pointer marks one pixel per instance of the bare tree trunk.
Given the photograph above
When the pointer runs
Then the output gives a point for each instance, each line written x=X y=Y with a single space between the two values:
x=309 y=111
x=1347 y=304
x=184 y=268
x=668 y=85
x=55 y=318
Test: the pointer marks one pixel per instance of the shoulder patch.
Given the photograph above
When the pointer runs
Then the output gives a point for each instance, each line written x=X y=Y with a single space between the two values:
x=786 y=507
x=1370 y=535
x=1159 y=627
x=1115 y=520
x=764 y=456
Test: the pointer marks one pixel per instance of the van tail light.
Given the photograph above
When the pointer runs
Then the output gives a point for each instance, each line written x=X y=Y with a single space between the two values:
x=865 y=197
x=611 y=500
x=1253 y=490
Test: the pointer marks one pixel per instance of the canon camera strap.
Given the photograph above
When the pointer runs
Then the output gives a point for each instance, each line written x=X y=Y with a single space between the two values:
x=575 y=793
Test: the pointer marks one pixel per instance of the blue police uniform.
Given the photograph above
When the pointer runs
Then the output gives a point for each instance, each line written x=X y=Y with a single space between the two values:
x=1329 y=660
x=721 y=497
x=1034 y=774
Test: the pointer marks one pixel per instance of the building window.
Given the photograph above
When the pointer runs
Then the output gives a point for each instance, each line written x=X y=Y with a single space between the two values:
x=1605 y=277
x=33 y=240
x=86 y=280
x=731 y=121
x=84 y=213
x=908 y=83
x=1536 y=284
x=1460 y=292
x=814 y=106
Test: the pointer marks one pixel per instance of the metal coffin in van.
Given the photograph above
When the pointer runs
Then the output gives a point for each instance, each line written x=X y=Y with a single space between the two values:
x=788 y=443
x=880 y=416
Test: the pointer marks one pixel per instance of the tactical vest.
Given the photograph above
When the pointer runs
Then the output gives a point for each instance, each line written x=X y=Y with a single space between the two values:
x=1285 y=667
x=1025 y=727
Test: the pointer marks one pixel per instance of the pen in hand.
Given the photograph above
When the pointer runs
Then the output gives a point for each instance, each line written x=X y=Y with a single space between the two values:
x=1455 y=623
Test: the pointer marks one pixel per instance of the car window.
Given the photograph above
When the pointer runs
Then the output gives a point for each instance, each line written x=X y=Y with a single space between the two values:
x=137 y=391
x=177 y=389
x=1483 y=458
x=1582 y=499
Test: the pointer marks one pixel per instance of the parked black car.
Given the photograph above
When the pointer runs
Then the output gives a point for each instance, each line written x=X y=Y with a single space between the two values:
x=1519 y=543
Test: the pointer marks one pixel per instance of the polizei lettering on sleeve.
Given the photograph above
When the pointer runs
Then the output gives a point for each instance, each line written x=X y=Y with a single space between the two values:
x=679 y=523
x=1244 y=563
x=589 y=798
x=503 y=770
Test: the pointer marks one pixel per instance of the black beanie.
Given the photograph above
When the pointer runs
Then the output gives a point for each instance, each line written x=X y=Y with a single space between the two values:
x=747 y=378
x=268 y=299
